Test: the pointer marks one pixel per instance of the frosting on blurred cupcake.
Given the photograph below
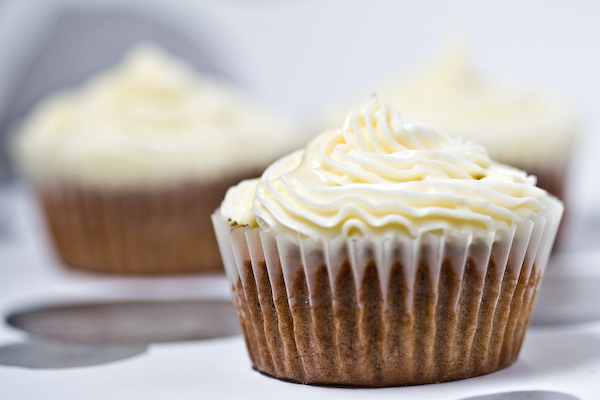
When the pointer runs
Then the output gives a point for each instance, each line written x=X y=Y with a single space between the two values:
x=516 y=124
x=150 y=121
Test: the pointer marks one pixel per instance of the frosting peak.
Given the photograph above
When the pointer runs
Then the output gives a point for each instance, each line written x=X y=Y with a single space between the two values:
x=454 y=70
x=379 y=173
x=375 y=127
x=148 y=64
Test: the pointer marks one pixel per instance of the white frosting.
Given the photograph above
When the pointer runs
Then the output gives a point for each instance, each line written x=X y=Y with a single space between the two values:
x=150 y=121
x=518 y=126
x=379 y=174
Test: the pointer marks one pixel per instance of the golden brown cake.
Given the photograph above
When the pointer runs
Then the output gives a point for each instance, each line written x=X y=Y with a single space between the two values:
x=385 y=254
x=129 y=167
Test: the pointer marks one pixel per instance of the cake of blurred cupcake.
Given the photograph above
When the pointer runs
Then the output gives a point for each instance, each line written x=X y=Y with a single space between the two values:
x=129 y=166
x=385 y=253
x=531 y=129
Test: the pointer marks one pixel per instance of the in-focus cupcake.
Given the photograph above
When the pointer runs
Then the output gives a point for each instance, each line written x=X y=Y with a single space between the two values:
x=527 y=128
x=130 y=166
x=385 y=253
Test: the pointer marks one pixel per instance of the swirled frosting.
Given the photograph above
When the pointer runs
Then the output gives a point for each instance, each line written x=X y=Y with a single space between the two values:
x=379 y=173
x=152 y=120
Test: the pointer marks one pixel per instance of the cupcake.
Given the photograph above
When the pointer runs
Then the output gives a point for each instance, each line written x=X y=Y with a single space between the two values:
x=527 y=128
x=129 y=167
x=385 y=253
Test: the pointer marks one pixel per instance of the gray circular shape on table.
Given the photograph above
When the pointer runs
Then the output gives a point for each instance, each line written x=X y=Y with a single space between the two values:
x=524 y=395
x=130 y=322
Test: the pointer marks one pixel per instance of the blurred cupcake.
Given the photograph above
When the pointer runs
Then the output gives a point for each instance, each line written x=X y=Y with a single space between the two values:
x=385 y=254
x=522 y=127
x=129 y=167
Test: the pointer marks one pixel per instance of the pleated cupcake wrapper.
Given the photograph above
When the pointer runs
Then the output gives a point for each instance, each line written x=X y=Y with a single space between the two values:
x=385 y=310
x=144 y=232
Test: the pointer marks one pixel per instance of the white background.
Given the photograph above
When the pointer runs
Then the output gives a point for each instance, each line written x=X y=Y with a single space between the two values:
x=300 y=57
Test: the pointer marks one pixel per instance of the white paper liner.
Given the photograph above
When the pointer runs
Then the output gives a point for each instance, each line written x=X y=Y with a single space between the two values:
x=385 y=310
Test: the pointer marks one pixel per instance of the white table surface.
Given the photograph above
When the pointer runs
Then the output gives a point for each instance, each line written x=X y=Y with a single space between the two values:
x=561 y=358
